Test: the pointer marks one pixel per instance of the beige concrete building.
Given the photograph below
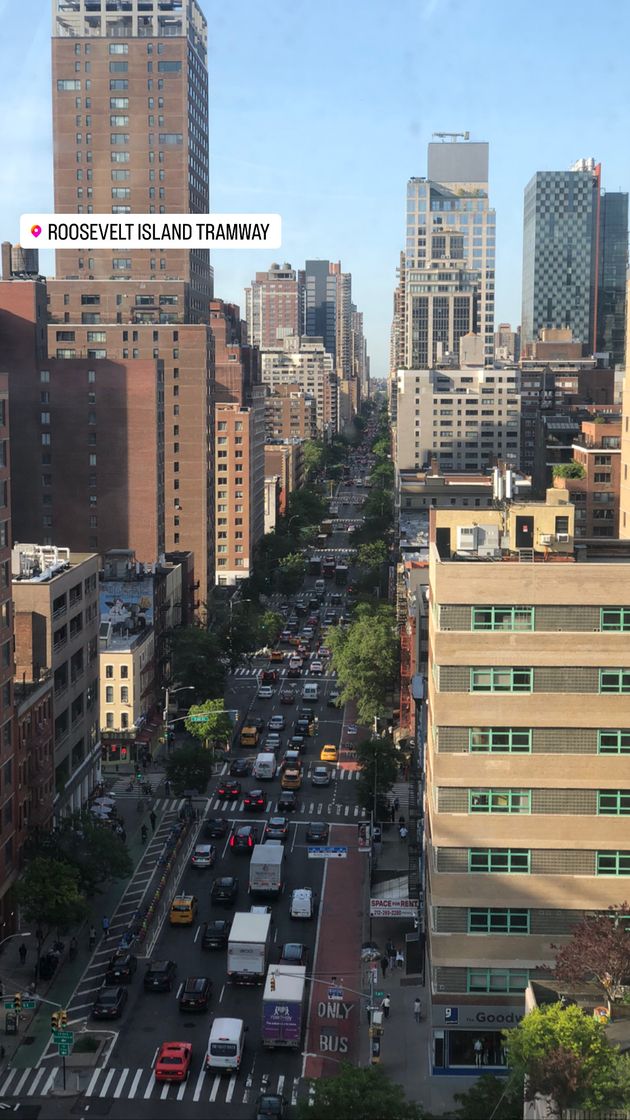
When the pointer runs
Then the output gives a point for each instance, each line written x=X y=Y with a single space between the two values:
x=239 y=450
x=528 y=733
x=285 y=459
x=55 y=593
x=127 y=685
x=466 y=419
x=305 y=362
x=290 y=413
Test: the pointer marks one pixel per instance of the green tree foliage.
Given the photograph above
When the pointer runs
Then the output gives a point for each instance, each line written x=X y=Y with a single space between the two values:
x=307 y=506
x=490 y=1096
x=564 y=1054
x=217 y=726
x=313 y=450
x=599 y=949
x=49 y=894
x=291 y=572
x=365 y=1093
x=382 y=447
x=378 y=763
x=91 y=847
x=199 y=661
x=569 y=470
x=365 y=656
x=383 y=475
x=189 y=767
x=371 y=557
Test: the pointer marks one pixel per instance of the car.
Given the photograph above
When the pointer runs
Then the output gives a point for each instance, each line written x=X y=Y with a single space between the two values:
x=320 y=776
x=273 y=742
x=244 y=837
x=203 y=856
x=160 y=976
x=303 y=651
x=224 y=890
x=303 y=727
x=183 y=910
x=325 y=652
x=313 y=603
x=313 y=620
x=333 y=697
x=258 y=722
x=240 y=767
x=330 y=620
x=195 y=995
x=303 y=904
x=173 y=1061
x=269 y=676
x=328 y=753
x=308 y=714
x=288 y=696
x=295 y=669
x=294 y=952
x=336 y=599
x=276 y=655
x=109 y=1002
x=121 y=968
x=287 y=801
x=317 y=832
x=265 y=692
x=216 y=827
x=277 y=723
x=317 y=668
x=229 y=789
x=297 y=743
x=307 y=633
x=291 y=759
x=216 y=933
x=291 y=777
x=255 y=801
x=285 y=636
x=277 y=828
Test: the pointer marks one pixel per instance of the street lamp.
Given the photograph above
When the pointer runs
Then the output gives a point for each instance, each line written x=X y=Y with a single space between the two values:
x=26 y=933
x=173 y=692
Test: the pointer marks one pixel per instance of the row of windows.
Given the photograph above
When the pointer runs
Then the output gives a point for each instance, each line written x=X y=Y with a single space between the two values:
x=517 y=861
x=490 y=678
x=518 y=740
x=522 y=618
x=610 y=802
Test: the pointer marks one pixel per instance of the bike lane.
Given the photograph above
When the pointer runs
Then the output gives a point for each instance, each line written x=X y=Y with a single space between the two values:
x=333 y=1026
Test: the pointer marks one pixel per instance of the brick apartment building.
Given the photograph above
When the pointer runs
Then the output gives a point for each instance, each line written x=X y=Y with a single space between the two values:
x=596 y=495
x=290 y=413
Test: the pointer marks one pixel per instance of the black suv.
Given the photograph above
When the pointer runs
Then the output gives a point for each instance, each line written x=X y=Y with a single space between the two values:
x=195 y=994
x=224 y=890
x=288 y=801
x=216 y=934
x=160 y=976
x=244 y=837
x=215 y=827
x=121 y=968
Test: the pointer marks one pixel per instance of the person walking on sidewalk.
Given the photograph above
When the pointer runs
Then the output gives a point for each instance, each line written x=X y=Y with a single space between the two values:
x=402 y=831
x=384 y=966
x=167 y=788
x=478 y=1048
x=92 y=938
x=417 y=1009
x=385 y=1006
x=105 y=926
x=396 y=804
x=153 y=819
x=392 y=813
x=22 y=951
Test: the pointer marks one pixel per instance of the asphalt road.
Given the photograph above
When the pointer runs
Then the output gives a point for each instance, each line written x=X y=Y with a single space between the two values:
x=150 y=1019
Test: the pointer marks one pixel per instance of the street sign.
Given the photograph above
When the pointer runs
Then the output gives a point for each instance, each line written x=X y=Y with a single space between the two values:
x=198 y=719
x=326 y=852
x=9 y=1005
x=63 y=1038
x=63 y=1049
x=335 y=994
x=29 y=1004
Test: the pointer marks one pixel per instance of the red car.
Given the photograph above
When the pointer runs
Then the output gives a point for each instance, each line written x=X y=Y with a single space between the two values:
x=229 y=788
x=173 y=1061
x=269 y=676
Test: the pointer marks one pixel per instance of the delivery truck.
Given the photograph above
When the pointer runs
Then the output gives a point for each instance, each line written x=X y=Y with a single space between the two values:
x=248 y=948
x=283 y=1006
x=265 y=869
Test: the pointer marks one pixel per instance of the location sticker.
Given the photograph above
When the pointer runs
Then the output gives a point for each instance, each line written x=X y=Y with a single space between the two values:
x=36 y=230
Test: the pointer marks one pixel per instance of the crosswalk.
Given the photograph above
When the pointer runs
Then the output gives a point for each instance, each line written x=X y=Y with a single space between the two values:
x=253 y=673
x=139 y=1084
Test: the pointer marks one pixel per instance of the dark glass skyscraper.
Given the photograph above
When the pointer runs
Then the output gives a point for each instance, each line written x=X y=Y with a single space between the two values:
x=613 y=263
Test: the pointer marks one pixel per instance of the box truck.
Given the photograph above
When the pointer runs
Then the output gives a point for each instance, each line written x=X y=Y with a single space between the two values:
x=248 y=948
x=265 y=869
x=283 y=1006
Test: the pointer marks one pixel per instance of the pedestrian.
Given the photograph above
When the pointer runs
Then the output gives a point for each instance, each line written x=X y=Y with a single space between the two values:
x=153 y=819
x=105 y=927
x=393 y=813
x=417 y=1009
x=385 y=1006
x=73 y=949
x=92 y=939
x=478 y=1048
x=400 y=959
x=401 y=820
x=22 y=951
x=167 y=788
x=384 y=966
x=123 y=835
x=402 y=831
x=396 y=804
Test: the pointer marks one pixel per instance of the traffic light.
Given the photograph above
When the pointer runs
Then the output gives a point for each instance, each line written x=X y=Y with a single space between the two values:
x=17 y=1002
x=55 y=1020
x=272 y=982
x=63 y=1018
x=123 y=754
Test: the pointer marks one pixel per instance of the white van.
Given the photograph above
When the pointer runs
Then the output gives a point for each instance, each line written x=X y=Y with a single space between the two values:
x=225 y=1045
x=320 y=587
x=265 y=765
x=302 y=903
x=310 y=691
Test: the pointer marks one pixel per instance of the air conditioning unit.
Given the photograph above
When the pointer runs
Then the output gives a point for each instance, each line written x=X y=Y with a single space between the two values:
x=562 y=538
x=467 y=537
x=546 y=538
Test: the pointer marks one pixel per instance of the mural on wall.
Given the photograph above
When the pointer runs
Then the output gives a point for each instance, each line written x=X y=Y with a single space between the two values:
x=127 y=605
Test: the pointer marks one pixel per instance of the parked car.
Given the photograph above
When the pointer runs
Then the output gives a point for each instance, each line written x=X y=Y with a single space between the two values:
x=121 y=968
x=224 y=890
x=195 y=995
x=160 y=976
x=109 y=1002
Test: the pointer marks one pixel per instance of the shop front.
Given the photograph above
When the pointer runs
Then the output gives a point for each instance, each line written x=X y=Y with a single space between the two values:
x=468 y=1037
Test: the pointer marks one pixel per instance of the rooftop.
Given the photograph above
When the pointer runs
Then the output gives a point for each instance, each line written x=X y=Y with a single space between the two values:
x=38 y=563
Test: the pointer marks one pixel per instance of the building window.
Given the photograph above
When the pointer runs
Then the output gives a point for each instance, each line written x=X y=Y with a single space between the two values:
x=497 y=920
x=68 y=84
x=500 y=679
x=109 y=694
x=612 y=863
x=499 y=800
x=109 y=672
x=513 y=861
x=614 y=680
x=497 y=979
x=615 y=618
x=109 y=720
x=613 y=802
x=613 y=742
x=502 y=618
x=169 y=67
x=124 y=694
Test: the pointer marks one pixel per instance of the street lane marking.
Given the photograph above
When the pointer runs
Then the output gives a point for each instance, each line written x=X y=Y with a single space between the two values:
x=215 y=1088
x=198 y=931
x=92 y=1082
x=181 y=1091
x=230 y=1089
x=155 y=1054
x=51 y=1081
x=134 y=1084
x=21 y=1082
x=280 y=1085
x=222 y=993
x=150 y=1087
x=164 y=1093
x=105 y=1086
x=179 y=990
x=198 y=1086
x=32 y=1087
x=121 y=1081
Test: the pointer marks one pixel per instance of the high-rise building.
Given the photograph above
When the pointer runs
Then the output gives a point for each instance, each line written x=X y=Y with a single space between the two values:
x=595 y=495
x=575 y=251
x=290 y=413
x=320 y=303
x=450 y=257
x=274 y=306
x=507 y=343
x=305 y=362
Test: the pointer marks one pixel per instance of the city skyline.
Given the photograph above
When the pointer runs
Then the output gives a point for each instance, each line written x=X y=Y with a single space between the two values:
x=261 y=159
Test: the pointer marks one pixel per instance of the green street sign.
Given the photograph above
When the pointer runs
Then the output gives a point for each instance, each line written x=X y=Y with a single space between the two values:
x=198 y=719
x=9 y=1005
x=379 y=995
x=63 y=1038
x=63 y=1049
x=29 y=1004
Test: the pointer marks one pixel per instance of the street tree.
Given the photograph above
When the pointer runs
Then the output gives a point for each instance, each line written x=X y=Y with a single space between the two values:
x=371 y=556
x=490 y=1096
x=365 y=656
x=365 y=1092
x=378 y=765
x=383 y=475
x=305 y=505
x=198 y=660
x=381 y=447
x=599 y=949
x=210 y=723
x=49 y=893
x=189 y=767
x=561 y=1052
x=313 y=455
x=92 y=849
x=290 y=572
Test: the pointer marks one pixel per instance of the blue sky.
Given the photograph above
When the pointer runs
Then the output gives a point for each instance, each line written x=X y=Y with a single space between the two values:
x=321 y=111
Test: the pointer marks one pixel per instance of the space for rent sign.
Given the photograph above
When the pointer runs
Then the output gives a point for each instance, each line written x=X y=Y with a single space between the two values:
x=393 y=907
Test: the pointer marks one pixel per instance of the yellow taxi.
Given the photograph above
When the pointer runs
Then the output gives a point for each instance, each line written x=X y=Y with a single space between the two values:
x=291 y=778
x=183 y=910
x=328 y=753
x=276 y=655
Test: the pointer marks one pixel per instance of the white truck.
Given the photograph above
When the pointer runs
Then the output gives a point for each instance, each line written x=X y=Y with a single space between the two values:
x=283 y=1007
x=265 y=869
x=248 y=948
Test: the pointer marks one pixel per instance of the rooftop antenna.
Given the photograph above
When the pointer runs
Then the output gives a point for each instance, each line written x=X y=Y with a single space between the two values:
x=452 y=136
